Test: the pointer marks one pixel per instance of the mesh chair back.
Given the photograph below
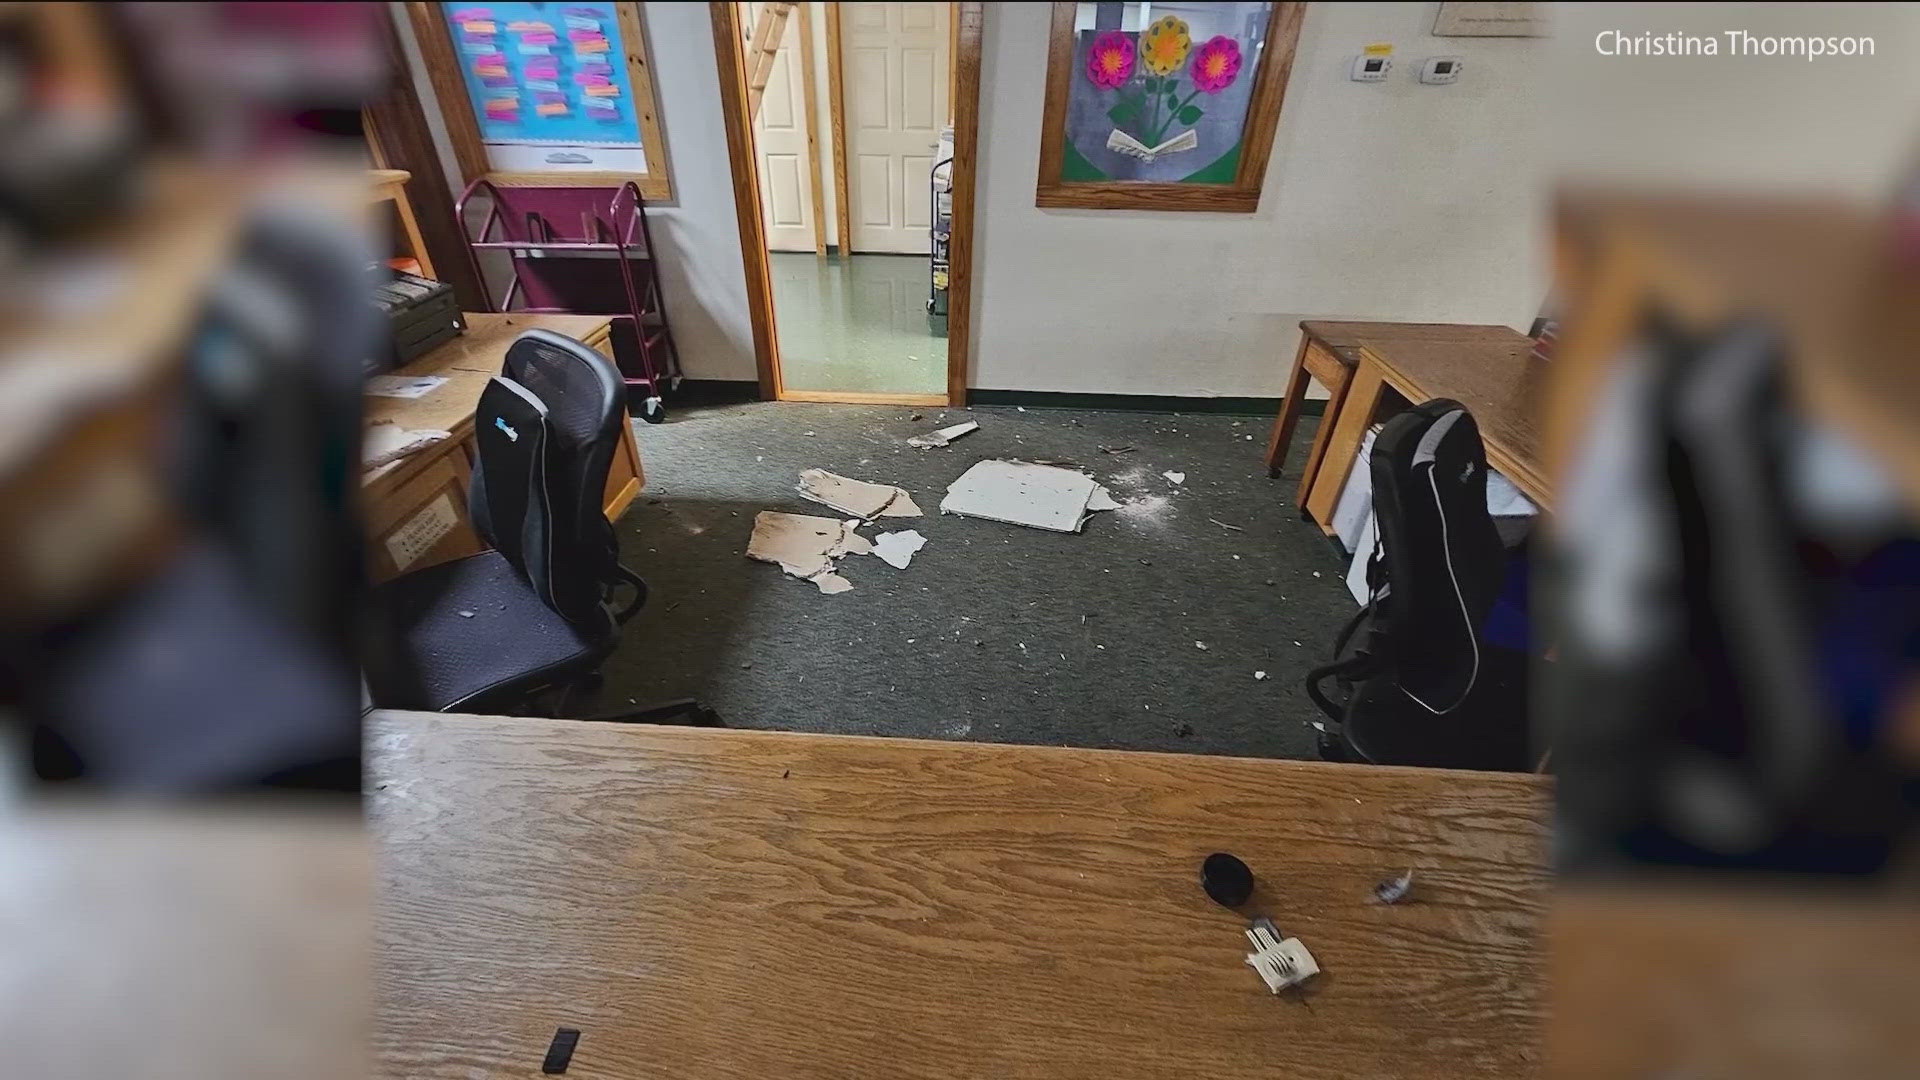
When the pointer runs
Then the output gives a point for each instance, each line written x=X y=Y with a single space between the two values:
x=582 y=395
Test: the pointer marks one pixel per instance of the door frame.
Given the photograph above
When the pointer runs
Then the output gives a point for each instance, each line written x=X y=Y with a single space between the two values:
x=968 y=21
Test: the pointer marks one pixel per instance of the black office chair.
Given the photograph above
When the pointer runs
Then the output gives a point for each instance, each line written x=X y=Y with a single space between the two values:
x=497 y=631
x=1423 y=685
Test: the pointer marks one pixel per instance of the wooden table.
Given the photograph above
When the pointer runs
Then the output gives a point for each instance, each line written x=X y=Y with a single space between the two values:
x=416 y=508
x=744 y=904
x=1489 y=369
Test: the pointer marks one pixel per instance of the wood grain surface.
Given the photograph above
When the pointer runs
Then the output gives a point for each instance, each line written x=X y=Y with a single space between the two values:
x=1489 y=369
x=810 y=101
x=1503 y=385
x=725 y=17
x=837 y=121
x=969 y=29
x=741 y=904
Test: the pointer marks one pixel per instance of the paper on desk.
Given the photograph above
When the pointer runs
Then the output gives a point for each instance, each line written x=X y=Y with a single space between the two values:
x=404 y=386
x=384 y=442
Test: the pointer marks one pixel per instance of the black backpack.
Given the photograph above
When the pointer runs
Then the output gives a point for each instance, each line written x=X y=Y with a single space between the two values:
x=1423 y=686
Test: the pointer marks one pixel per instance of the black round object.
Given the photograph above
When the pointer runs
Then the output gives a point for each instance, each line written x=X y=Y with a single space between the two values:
x=1226 y=879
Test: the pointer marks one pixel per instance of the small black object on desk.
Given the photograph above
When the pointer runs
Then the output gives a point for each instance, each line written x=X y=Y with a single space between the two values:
x=560 y=1053
x=1227 y=880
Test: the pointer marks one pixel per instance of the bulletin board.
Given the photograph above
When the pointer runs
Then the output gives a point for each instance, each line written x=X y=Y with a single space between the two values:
x=1163 y=109
x=546 y=93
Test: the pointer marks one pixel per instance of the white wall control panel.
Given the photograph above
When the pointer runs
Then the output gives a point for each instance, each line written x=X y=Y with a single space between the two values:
x=1440 y=69
x=1371 y=68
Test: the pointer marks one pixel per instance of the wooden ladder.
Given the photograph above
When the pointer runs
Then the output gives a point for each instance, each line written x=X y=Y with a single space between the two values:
x=767 y=35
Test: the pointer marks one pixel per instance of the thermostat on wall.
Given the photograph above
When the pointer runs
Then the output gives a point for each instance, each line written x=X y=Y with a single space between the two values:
x=1371 y=68
x=1440 y=69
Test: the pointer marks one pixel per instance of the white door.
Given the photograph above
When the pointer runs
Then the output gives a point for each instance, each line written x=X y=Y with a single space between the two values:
x=894 y=59
x=780 y=142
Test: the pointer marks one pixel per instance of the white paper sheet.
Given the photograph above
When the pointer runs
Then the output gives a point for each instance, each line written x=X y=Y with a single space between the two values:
x=403 y=386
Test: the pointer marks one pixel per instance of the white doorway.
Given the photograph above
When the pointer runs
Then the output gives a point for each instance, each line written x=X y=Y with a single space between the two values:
x=896 y=62
x=783 y=137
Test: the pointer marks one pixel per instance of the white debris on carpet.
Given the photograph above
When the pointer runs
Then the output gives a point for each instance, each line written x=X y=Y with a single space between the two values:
x=896 y=548
x=1023 y=493
x=806 y=547
x=857 y=497
x=944 y=436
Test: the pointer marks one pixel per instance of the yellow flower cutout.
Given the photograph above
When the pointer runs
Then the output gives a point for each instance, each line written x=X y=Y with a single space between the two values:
x=1164 y=45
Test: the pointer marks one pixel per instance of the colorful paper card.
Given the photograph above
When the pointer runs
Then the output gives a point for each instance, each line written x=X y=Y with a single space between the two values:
x=561 y=60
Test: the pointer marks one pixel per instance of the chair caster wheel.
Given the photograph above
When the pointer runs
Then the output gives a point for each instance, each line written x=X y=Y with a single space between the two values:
x=654 y=411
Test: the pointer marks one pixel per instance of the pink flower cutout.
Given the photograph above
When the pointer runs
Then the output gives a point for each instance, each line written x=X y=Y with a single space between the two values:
x=1110 y=61
x=1215 y=65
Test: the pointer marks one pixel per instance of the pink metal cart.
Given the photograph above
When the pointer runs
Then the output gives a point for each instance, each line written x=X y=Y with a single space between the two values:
x=582 y=251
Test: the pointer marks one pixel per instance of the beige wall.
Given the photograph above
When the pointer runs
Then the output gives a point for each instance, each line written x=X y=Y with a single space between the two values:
x=1385 y=201
x=696 y=231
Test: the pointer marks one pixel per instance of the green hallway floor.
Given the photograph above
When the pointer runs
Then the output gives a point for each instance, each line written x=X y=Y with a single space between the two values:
x=856 y=324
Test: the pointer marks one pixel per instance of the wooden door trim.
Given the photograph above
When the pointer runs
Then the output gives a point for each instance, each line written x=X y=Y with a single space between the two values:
x=746 y=201
x=966 y=158
x=398 y=133
x=811 y=97
x=746 y=192
x=837 y=112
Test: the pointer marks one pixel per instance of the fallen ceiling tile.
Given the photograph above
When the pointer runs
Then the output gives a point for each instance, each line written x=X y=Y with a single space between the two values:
x=1175 y=477
x=1025 y=493
x=806 y=547
x=896 y=548
x=944 y=436
x=856 y=497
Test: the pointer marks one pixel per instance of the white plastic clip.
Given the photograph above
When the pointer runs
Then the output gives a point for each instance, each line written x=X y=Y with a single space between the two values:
x=1281 y=963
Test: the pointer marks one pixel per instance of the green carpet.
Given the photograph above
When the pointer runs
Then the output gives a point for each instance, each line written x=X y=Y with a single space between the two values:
x=995 y=632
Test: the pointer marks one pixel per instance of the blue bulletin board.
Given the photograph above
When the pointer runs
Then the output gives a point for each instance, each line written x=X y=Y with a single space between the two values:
x=545 y=74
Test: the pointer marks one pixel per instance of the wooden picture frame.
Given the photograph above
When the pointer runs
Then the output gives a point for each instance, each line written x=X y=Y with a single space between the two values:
x=1240 y=195
x=442 y=62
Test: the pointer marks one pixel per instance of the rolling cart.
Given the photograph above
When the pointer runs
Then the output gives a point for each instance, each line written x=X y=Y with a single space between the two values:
x=940 y=182
x=559 y=242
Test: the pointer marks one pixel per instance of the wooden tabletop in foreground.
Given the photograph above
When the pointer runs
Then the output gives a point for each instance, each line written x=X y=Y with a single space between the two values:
x=743 y=904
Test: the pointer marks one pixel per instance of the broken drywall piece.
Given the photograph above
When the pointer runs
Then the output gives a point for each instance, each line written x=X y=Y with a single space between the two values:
x=1025 y=493
x=1175 y=477
x=896 y=548
x=384 y=442
x=944 y=436
x=1102 y=499
x=857 y=497
x=806 y=547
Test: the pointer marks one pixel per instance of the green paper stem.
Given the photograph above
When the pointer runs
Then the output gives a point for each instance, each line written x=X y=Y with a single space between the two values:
x=1161 y=131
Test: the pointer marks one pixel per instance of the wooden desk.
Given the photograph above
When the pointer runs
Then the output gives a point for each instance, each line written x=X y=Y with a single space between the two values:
x=1489 y=369
x=744 y=904
x=416 y=508
x=390 y=185
x=1329 y=352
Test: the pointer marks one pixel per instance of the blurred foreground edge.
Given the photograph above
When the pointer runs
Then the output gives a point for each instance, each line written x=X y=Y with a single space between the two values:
x=1735 y=707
